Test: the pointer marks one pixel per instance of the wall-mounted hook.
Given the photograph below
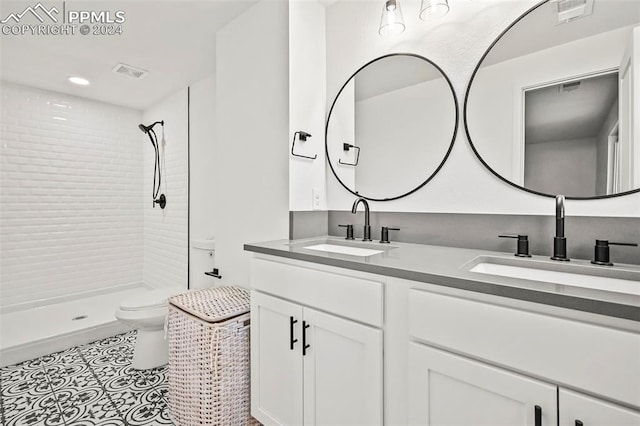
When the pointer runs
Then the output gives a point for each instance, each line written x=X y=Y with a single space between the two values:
x=303 y=138
x=346 y=147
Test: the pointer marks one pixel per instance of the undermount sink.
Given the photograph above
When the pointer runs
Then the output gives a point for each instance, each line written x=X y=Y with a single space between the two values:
x=619 y=280
x=343 y=247
x=353 y=251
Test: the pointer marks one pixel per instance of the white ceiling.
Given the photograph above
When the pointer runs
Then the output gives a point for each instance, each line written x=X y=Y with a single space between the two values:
x=541 y=30
x=173 y=40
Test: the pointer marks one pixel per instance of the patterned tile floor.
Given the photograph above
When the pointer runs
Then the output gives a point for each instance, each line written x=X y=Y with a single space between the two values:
x=87 y=385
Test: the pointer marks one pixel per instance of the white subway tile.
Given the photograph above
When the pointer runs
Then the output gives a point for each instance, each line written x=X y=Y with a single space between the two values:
x=72 y=214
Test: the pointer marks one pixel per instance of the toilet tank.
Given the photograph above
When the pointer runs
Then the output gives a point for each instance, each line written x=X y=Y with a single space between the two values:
x=202 y=259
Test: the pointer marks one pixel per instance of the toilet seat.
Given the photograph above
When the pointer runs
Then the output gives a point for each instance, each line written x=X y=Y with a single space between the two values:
x=148 y=300
x=150 y=318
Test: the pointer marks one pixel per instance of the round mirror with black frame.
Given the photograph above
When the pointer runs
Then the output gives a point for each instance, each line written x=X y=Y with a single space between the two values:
x=391 y=127
x=550 y=106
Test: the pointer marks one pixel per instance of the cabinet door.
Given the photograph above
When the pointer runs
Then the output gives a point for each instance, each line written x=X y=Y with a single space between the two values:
x=276 y=369
x=576 y=409
x=446 y=389
x=342 y=372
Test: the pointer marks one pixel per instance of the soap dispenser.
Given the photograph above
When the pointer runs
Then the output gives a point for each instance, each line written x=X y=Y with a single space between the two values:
x=523 y=244
x=601 y=251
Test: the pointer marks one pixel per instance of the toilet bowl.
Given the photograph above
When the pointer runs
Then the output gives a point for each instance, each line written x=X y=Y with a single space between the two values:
x=146 y=312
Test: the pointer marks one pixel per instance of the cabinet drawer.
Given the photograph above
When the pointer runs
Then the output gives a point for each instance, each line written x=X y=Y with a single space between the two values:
x=328 y=289
x=575 y=407
x=597 y=359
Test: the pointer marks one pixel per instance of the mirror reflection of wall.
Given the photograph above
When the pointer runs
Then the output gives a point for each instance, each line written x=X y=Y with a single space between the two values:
x=399 y=114
x=568 y=124
x=559 y=93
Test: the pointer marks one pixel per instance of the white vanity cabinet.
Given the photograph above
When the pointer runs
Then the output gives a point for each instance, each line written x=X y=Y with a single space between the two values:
x=316 y=345
x=451 y=356
x=463 y=354
x=446 y=389
x=276 y=369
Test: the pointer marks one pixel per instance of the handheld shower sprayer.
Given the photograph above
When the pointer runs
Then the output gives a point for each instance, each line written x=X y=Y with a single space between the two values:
x=157 y=174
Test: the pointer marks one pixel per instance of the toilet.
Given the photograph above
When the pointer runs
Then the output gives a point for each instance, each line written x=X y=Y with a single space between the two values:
x=146 y=312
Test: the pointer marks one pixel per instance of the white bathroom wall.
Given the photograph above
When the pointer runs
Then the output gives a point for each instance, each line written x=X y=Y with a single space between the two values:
x=307 y=99
x=343 y=129
x=384 y=128
x=602 y=148
x=575 y=171
x=395 y=118
x=456 y=43
x=202 y=163
x=251 y=173
x=70 y=190
x=165 y=230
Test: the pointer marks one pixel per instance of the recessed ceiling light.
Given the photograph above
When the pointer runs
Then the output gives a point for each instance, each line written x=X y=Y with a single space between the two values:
x=79 y=81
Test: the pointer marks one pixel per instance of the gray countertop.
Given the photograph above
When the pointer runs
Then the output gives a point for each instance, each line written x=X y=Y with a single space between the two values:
x=449 y=266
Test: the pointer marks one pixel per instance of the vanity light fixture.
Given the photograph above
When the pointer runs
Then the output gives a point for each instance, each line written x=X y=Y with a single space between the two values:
x=433 y=9
x=391 y=22
x=78 y=80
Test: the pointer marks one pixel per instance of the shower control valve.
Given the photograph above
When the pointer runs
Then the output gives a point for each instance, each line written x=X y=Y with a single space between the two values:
x=161 y=201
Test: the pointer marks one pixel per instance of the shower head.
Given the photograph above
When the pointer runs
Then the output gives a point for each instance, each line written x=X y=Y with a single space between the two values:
x=145 y=129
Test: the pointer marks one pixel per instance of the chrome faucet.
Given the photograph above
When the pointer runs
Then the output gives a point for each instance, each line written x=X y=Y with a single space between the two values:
x=559 y=241
x=367 y=226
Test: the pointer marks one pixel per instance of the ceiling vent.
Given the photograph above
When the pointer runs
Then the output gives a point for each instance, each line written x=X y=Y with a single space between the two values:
x=573 y=9
x=569 y=87
x=129 y=71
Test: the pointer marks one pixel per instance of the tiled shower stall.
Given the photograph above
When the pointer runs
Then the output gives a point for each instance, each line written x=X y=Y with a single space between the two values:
x=78 y=229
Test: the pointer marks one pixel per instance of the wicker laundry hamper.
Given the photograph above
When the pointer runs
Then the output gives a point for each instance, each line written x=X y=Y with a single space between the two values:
x=209 y=357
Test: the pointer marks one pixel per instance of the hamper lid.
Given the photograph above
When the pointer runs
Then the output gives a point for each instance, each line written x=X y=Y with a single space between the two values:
x=214 y=304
